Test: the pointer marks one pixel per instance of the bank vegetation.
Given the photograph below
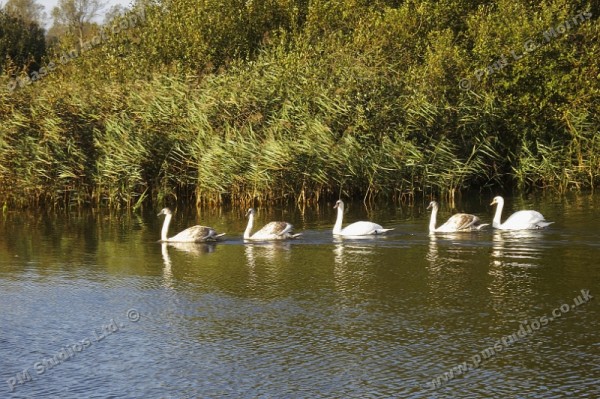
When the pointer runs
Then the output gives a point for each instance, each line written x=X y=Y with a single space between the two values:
x=296 y=100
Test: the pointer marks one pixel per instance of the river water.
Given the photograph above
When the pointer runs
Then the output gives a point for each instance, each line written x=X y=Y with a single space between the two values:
x=92 y=306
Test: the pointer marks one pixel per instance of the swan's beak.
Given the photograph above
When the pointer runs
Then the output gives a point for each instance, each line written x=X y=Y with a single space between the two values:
x=493 y=202
x=160 y=213
x=429 y=206
x=336 y=205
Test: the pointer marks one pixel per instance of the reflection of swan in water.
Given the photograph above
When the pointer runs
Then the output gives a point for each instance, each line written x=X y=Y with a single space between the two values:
x=450 y=259
x=353 y=264
x=432 y=252
x=450 y=249
x=520 y=220
x=513 y=267
x=271 y=231
x=191 y=234
x=355 y=229
x=516 y=248
x=265 y=257
x=457 y=222
x=338 y=252
x=265 y=250
x=167 y=272
x=195 y=249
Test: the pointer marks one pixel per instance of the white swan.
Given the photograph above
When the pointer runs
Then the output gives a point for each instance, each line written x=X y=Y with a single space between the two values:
x=191 y=234
x=271 y=231
x=520 y=220
x=457 y=222
x=354 y=229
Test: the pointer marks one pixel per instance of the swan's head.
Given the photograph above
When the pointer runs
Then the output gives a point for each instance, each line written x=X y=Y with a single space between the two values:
x=249 y=212
x=433 y=205
x=498 y=200
x=165 y=211
x=339 y=204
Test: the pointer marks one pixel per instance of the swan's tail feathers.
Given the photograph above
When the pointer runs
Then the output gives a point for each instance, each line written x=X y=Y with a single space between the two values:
x=382 y=231
x=296 y=235
x=481 y=226
x=218 y=235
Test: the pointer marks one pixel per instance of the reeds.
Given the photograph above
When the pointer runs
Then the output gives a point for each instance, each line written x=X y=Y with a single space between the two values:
x=303 y=118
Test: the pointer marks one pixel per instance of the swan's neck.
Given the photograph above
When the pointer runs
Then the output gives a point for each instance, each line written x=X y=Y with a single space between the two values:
x=165 y=228
x=496 y=222
x=337 y=227
x=249 y=226
x=433 y=219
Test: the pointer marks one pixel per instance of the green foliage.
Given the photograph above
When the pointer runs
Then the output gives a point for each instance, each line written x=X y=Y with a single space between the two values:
x=294 y=101
x=22 y=44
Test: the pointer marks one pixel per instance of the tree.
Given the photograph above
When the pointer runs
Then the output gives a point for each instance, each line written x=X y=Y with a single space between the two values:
x=77 y=15
x=115 y=11
x=22 y=44
x=28 y=10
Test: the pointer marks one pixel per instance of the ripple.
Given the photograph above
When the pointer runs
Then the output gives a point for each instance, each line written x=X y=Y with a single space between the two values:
x=310 y=318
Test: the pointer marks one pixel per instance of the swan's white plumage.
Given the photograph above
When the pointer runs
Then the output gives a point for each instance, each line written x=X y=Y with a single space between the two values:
x=355 y=229
x=191 y=234
x=271 y=231
x=520 y=220
x=456 y=223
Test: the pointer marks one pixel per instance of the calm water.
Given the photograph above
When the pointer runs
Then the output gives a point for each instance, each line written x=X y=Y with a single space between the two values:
x=91 y=306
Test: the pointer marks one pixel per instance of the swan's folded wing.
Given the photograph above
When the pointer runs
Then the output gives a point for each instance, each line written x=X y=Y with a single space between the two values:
x=275 y=228
x=525 y=220
x=363 y=229
x=195 y=234
x=274 y=231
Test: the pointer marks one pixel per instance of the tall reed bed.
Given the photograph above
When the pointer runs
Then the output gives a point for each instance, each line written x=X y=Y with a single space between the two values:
x=365 y=103
x=267 y=133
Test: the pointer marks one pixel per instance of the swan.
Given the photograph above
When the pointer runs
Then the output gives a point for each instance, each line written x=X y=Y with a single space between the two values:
x=271 y=231
x=457 y=222
x=191 y=234
x=354 y=229
x=520 y=220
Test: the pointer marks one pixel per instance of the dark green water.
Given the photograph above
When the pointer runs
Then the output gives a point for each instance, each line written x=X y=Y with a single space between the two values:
x=91 y=306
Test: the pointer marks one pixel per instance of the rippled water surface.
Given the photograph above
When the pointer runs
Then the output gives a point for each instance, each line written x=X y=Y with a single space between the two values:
x=92 y=306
